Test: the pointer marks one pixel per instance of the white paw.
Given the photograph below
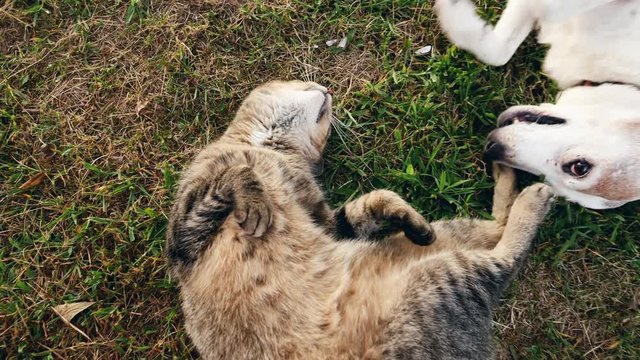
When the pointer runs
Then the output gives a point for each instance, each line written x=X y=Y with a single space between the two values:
x=460 y=21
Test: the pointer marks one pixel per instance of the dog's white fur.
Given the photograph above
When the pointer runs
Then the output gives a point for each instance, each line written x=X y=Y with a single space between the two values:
x=593 y=40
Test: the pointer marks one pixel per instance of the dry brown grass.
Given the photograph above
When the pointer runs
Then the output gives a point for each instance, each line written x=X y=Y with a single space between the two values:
x=585 y=303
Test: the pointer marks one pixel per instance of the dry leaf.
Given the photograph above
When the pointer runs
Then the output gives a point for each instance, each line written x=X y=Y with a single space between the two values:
x=613 y=345
x=34 y=181
x=68 y=311
x=140 y=106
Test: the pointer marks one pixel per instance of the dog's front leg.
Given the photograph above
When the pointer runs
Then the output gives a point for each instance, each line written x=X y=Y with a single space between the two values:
x=492 y=45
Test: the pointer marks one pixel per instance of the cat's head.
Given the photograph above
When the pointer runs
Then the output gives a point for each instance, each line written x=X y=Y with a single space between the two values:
x=291 y=116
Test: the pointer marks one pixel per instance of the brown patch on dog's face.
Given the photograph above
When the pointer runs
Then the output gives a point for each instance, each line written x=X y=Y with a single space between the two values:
x=634 y=127
x=620 y=187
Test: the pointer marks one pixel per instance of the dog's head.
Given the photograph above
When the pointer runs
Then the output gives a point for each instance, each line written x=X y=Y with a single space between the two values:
x=587 y=145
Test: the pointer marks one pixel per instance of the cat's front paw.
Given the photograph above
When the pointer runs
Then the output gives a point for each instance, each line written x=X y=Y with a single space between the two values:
x=254 y=215
x=533 y=203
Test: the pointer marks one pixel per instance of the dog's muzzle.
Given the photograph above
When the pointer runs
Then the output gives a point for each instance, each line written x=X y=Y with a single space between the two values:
x=493 y=151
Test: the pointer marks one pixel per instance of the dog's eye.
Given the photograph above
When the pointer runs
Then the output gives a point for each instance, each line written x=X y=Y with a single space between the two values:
x=578 y=168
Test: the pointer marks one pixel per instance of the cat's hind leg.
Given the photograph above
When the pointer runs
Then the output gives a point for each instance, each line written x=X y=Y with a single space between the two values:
x=504 y=193
x=481 y=234
x=527 y=213
x=449 y=301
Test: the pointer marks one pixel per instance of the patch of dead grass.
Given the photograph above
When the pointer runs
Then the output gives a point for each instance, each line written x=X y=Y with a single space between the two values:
x=576 y=302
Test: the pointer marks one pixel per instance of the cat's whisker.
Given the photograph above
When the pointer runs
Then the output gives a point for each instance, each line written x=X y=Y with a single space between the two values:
x=339 y=128
x=347 y=135
x=307 y=71
x=340 y=132
x=305 y=74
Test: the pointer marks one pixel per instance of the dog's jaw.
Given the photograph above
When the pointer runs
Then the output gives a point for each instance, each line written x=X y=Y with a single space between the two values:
x=589 y=201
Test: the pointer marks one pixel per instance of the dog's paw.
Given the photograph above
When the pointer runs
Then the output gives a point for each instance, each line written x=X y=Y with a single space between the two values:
x=460 y=21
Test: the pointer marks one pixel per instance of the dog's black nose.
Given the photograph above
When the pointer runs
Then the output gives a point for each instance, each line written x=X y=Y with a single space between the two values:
x=493 y=151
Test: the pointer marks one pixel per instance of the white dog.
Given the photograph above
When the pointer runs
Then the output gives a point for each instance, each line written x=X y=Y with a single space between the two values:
x=587 y=144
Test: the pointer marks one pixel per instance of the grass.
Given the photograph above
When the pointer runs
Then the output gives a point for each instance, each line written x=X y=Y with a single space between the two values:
x=109 y=100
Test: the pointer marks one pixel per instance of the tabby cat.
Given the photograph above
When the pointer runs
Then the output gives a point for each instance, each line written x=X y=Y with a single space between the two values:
x=262 y=273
